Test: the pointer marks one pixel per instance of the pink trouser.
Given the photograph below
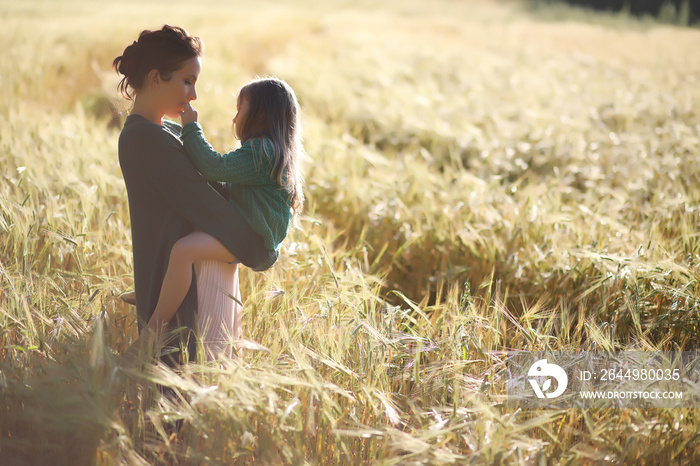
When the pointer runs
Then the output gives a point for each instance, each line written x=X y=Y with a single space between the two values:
x=219 y=314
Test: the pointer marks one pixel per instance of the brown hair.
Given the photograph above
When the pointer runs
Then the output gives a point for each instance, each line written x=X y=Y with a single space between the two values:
x=163 y=50
x=273 y=113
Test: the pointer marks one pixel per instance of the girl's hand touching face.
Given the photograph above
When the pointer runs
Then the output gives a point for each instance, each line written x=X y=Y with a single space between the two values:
x=188 y=115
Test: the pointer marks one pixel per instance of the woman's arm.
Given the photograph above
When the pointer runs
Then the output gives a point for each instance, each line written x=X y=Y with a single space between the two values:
x=152 y=156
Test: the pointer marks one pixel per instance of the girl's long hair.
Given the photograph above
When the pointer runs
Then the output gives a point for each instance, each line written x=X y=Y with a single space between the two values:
x=273 y=113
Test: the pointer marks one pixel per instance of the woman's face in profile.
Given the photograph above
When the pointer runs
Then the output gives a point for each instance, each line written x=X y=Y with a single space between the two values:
x=178 y=91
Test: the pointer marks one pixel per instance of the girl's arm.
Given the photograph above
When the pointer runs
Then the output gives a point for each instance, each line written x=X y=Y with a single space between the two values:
x=240 y=166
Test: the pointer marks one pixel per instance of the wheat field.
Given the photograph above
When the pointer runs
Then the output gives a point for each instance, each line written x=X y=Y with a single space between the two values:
x=479 y=179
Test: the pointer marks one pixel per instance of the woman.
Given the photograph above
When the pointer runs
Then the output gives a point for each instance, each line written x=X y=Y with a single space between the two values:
x=168 y=198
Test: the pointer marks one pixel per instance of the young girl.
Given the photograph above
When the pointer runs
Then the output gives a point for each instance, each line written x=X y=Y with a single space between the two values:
x=265 y=177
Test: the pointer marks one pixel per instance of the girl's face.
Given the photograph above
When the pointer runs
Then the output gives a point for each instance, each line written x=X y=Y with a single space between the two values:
x=177 y=92
x=241 y=112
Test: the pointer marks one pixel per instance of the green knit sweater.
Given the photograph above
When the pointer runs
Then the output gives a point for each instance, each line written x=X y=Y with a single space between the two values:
x=261 y=199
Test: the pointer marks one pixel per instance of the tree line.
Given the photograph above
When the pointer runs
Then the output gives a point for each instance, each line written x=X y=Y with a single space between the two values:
x=683 y=12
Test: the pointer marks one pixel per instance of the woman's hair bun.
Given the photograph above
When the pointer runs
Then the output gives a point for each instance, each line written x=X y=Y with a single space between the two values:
x=124 y=63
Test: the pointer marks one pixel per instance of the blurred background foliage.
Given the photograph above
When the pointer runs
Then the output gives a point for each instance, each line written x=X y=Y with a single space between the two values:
x=481 y=177
x=679 y=12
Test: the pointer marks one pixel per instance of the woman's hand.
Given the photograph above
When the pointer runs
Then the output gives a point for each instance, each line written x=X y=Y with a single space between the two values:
x=188 y=115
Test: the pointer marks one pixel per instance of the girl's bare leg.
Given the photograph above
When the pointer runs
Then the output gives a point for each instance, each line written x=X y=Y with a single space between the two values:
x=186 y=251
